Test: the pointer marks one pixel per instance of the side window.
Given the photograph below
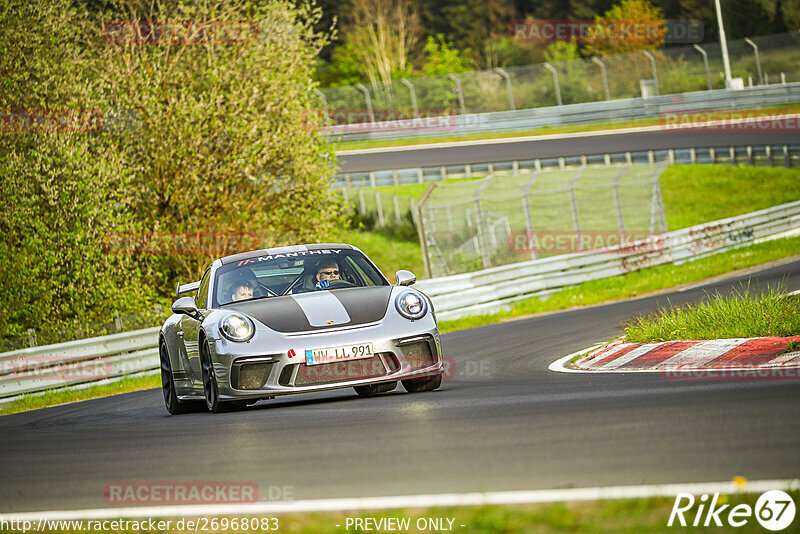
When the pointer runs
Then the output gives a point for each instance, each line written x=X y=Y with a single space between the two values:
x=202 y=292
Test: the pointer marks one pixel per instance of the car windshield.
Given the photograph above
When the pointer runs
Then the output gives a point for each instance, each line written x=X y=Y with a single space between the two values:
x=294 y=272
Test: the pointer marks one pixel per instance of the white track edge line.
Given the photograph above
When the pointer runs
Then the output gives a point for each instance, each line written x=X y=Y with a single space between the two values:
x=413 y=501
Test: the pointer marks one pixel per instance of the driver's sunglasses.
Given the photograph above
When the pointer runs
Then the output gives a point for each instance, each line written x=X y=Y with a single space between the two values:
x=328 y=273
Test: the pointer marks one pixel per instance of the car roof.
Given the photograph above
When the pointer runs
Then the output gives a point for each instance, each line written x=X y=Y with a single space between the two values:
x=283 y=250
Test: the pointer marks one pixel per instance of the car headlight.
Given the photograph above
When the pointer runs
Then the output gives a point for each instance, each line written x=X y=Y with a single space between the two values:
x=237 y=327
x=411 y=305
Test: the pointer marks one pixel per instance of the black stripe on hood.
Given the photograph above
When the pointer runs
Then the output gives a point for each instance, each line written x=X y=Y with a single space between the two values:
x=284 y=314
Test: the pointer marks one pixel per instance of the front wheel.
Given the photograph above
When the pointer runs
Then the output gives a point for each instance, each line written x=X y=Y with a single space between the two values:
x=173 y=404
x=417 y=385
x=210 y=387
x=373 y=389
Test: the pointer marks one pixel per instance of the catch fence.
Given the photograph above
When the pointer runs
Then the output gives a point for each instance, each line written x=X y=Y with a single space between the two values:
x=499 y=220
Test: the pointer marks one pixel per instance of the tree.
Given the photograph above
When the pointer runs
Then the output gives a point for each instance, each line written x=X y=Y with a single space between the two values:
x=221 y=154
x=628 y=26
x=441 y=58
x=383 y=34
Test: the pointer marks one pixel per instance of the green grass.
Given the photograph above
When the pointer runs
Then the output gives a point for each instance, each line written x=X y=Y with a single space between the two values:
x=63 y=396
x=390 y=255
x=744 y=313
x=695 y=194
x=546 y=130
x=638 y=283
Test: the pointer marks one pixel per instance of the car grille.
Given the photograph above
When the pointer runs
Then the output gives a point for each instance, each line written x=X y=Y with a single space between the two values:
x=253 y=375
x=327 y=373
x=418 y=353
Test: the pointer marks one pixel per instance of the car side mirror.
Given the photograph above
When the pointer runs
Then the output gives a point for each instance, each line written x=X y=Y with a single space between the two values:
x=187 y=306
x=405 y=278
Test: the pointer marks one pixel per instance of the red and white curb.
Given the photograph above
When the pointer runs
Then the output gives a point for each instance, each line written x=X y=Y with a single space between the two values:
x=714 y=354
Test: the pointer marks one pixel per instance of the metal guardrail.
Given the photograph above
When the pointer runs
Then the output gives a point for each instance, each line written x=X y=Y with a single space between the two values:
x=76 y=362
x=770 y=155
x=489 y=290
x=583 y=113
x=87 y=360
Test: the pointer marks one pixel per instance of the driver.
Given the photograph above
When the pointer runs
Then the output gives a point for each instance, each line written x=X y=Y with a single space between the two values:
x=327 y=272
x=242 y=291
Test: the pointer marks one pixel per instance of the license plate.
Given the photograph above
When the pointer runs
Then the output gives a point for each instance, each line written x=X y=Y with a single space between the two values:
x=339 y=354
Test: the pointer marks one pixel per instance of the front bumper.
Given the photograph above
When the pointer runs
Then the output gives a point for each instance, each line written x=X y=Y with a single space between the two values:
x=264 y=368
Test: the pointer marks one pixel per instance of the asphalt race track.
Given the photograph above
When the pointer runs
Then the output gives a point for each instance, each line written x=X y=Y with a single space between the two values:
x=602 y=143
x=503 y=422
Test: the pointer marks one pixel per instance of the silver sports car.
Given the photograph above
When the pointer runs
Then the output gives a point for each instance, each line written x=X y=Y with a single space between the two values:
x=294 y=320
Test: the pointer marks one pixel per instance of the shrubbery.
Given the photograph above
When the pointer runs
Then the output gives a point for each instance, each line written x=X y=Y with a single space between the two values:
x=217 y=140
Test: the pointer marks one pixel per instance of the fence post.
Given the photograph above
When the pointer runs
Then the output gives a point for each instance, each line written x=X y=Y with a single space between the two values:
x=786 y=157
x=705 y=62
x=573 y=202
x=656 y=205
x=460 y=92
x=117 y=321
x=618 y=204
x=420 y=176
x=526 y=205
x=649 y=56
x=758 y=60
x=554 y=72
x=396 y=202
x=413 y=96
x=507 y=78
x=361 y=202
x=364 y=90
x=414 y=211
x=395 y=178
x=603 y=75
x=479 y=215
x=372 y=181
x=423 y=240
x=380 y=208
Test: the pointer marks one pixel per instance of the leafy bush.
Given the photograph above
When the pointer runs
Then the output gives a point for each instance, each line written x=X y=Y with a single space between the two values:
x=223 y=142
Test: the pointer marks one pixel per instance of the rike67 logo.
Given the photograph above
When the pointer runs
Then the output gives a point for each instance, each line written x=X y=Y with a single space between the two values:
x=774 y=510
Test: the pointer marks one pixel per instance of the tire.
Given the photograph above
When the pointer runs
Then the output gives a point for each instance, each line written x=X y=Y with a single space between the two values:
x=210 y=387
x=373 y=389
x=417 y=385
x=173 y=404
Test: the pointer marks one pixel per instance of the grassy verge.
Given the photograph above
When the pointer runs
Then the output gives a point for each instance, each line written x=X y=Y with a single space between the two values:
x=638 y=283
x=609 y=516
x=546 y=130
x=63 y=396
x=695 y=194
x=741 y=314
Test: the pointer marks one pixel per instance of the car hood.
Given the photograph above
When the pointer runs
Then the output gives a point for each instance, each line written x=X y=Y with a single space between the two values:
x=318 y=310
